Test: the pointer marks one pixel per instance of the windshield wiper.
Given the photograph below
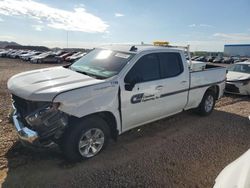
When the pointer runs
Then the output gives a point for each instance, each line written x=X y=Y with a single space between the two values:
x=87 y=73
x=91 y=75
x=82 y=72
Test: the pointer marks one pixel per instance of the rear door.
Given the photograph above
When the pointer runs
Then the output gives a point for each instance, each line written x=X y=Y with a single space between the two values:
x=174 y=83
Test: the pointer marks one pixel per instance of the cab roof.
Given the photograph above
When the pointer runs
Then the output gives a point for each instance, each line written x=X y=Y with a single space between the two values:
x=137 y=48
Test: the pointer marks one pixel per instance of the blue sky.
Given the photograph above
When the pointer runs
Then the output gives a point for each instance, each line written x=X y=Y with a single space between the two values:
x=205 y=25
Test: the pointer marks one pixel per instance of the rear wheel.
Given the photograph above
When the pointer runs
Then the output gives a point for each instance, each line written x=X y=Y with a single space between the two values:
x=85 y=139
x=207 y=104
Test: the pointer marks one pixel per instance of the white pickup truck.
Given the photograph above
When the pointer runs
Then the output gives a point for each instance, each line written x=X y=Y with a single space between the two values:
x=107 y=92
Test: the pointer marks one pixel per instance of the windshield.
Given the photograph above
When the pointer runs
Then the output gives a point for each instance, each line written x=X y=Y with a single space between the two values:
x=102 y=63
x=244 y=68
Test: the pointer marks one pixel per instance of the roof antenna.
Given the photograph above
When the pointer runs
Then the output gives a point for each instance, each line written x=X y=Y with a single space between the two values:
x=133 y=48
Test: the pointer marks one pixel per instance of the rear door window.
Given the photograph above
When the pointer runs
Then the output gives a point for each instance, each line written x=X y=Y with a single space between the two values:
x=170 y=64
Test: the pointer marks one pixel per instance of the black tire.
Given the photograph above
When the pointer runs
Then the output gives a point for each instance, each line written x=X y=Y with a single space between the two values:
x=73 y=135
x=202 y=110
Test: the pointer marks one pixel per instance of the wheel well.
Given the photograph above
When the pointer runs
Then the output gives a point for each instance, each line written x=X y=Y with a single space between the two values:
x=107 y=116
x=215 y=89
x=110 y=119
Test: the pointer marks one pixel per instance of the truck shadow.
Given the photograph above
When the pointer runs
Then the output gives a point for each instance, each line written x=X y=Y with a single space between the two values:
x=41 y=168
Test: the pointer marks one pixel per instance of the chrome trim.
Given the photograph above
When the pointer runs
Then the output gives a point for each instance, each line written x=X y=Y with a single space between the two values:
x=24 y=133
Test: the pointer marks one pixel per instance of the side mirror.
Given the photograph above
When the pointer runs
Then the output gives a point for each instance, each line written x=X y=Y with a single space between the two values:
x=129 y=86
x=130 y=82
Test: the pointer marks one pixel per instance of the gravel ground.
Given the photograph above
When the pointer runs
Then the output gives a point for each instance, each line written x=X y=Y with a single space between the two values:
x=181 y=151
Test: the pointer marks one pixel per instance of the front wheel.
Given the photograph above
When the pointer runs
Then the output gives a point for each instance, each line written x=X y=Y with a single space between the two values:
x=85 y=139
x=207 y=104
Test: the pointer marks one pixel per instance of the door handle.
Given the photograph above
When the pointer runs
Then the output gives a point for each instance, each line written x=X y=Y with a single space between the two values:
x=159 y=87
x=184 y=81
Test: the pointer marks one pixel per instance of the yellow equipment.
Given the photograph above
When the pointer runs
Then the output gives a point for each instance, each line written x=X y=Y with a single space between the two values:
x=161 y=43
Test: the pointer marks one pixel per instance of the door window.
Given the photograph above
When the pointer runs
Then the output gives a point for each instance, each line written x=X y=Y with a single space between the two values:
x=145 y=69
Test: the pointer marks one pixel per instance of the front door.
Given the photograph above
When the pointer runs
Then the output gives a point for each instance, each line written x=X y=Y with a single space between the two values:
x=138 y=101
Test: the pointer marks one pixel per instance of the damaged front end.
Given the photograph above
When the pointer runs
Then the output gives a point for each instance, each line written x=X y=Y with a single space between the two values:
x=38 y=123
x=241 y=87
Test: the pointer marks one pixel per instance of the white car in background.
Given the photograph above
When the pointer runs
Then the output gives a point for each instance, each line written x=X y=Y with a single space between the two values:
x=238 y=79
x=29 y=55
x=236 y=174
x=36 y=58
x=75 y=56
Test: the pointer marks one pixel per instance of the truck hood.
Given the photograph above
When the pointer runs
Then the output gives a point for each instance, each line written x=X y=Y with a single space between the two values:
x=236 y=174
x=45 y=84
x=237 y=76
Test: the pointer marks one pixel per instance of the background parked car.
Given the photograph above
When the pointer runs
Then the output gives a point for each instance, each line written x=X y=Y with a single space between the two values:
x=238 y=79
x=3 y=53
x=75 y=56
x=210 y=59
x=68 y=54
x=218 y=60
x=228 y=60
x=202 y=58
x=10 y=53
x=194 y=57
x=47 y=58
x=29 y=55
x=34 y=59
x=18 y=53
x=59 y=52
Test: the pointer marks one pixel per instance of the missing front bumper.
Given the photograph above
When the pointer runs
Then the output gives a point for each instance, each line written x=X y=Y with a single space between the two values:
x=50 y=128
x=25 y=134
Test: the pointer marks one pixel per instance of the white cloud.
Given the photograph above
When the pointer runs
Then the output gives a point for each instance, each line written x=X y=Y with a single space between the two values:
x=204 y=45
x=77 y=20
x=200 y=25
x=119 y=15
x=216 y=41
x=81 y=5
x=37 y=27
x=206 y=25
x=192 y=25
x=6 y=37
x=1 y=20
x=237 y=37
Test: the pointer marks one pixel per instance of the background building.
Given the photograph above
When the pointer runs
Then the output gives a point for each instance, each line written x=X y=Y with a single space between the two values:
x=237 y=50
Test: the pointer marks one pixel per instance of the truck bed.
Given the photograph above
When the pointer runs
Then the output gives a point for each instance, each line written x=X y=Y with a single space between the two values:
x=211 y=75
x=200 y=81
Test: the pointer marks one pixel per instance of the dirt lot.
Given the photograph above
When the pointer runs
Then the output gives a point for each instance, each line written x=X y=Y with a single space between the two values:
x=181 y=151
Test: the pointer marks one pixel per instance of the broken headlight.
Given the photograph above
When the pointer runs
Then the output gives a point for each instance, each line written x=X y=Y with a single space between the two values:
x=41 y=114
x=245 y=82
